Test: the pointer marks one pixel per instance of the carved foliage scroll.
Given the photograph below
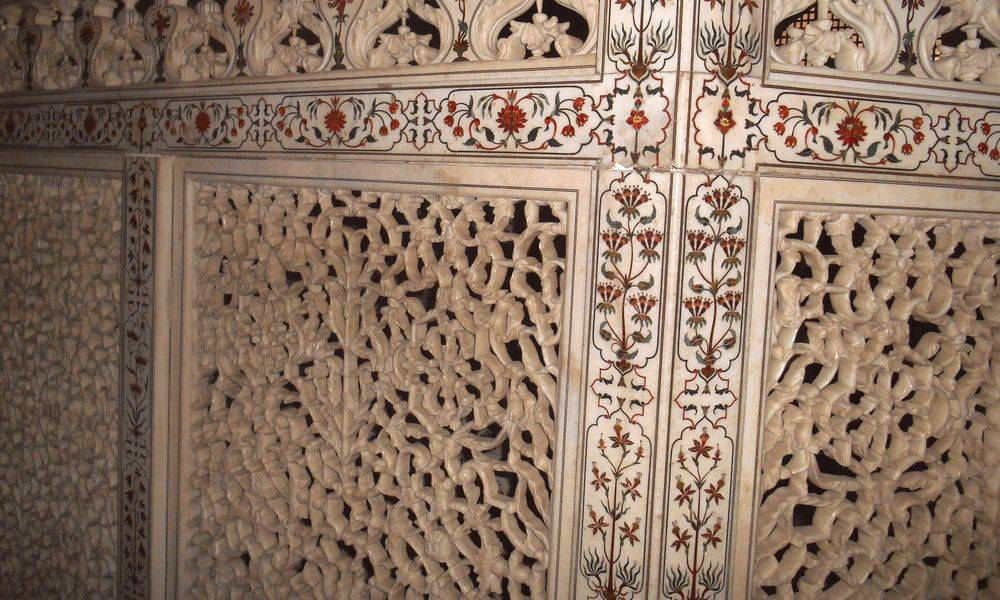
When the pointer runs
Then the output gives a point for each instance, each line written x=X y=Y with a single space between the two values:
x=374 y=399
x=878 y=469
x=59 y=344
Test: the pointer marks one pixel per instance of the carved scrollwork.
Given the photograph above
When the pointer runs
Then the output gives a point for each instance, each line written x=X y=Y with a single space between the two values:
x=123 y=56
x=276 y=47
x=58 y=63
x=59 y=44
x=200 y=47
x=946 y=39
x=865 y=40
x=967 y=60
x=536 y=37
x=15 y=70
x=370 y=44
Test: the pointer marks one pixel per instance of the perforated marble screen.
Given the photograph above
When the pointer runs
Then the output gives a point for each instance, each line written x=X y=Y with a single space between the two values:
x=879 y=463
x=373 y=396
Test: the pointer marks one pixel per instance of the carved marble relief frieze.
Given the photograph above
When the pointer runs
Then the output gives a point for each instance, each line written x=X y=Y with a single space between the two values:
x=116 y=43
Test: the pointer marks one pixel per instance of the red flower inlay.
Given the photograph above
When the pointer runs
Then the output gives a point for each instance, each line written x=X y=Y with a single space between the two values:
x=87 y=34
x=202 y=122
x=511 y=118
x=89 y=124
x=851 y=131
x=161 y=22
x=637 y=119
x=724 y=122
x=335 y=121
x=242 y=13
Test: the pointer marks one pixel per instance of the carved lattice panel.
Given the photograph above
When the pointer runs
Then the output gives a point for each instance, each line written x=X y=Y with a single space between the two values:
x=373 y=412
x=59 y=318
x=878 y=469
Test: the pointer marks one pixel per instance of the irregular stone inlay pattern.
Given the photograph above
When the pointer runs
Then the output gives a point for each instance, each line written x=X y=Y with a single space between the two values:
x=59 y=320
x=878 y=468
x=374 y=405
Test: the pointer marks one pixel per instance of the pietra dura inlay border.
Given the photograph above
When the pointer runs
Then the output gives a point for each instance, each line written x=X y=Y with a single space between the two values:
x=135 y=410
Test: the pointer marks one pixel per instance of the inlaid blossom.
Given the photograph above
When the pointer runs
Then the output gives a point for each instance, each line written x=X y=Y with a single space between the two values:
x=721 y=200
x=511 y=118
x=607 y=294
x=696 y=308
x=637 y=119
x=731 y=247
x=615 y=240
x=700 y=447
x=620 y=438
x=202 y=121
x=681 y=537
x=242 y=12
x=335 y=120
x=161 y=22
x=630 y=198
x=87 y=33
x=89 y=124
x=601 y=478
x=597 y=524
x=650 y=240
x=698 y=240
x=731 y=302
x=851 y=131
x=642 y=304
x=724 y=122
x=685 y=491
